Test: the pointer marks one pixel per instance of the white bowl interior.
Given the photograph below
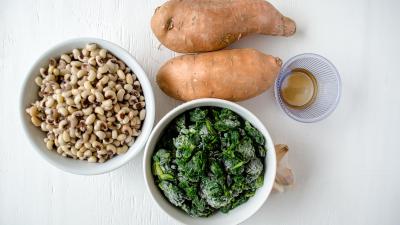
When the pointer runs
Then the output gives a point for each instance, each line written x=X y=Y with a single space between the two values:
x=35 y=135
x=236 y=215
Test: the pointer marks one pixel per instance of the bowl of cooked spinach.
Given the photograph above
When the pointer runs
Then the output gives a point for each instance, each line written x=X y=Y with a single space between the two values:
x=209 y=160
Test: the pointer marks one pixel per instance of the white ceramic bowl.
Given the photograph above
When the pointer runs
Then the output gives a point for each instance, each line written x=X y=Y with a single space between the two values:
x=234 y=216
x=35 y=135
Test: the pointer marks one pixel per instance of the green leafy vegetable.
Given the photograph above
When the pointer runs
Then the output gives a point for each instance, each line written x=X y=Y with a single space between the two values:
x=209 y=159
x=254 y=133
x=172 y=192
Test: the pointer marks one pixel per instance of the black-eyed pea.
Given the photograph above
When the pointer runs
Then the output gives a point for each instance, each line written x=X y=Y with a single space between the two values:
x=128 y=139
x=102 y=160
x=85 y=93
x=71 y=132
x=104 y=80
x=109 y=114
x=91 y=75
x=91 y=98
x=100 y=134
x=79 y=154
x=50 y=69
x=65 y=136
x=87 y=111
x=134 y=77
x=118 y=87
x=111 y=119
x=90 y=119
x=59 y=98
x=43 y=126
x=129 y=79
x=88 y=85
x=49 y=127
x=87 y=145
x=79 y=144
x=91 y=47
x=92 y=61
x=121 y=137
x=102 y=69
x=142 y=114
x=56 y=72
x=76 y=53
x=99 y=96
x=77 y=99
x=109 y=94
x=93 y=138
x=139 y=105
x=116 y=143
x=122 y=150
x=38 y=81
x=127 y=96
x=74 y=151
x=89 y=129
x=133 y=113
x=33 y=111
x=101 y=152
x=60 y=140
x=128 y=87
x=49 y=102
x=59 y=150
x=112 y=66
x=66 y=58
x=121 y=65
x=133 y=100
x=120 y=95
x=112 y=148
x=87 y=153
x=121 y=74
x=127 y=130
x=117 y=108
x=69 y=101
x=85 y=137
x=135 y=133
x=114 y=134
x=101 y=117
x=99 y=76
x=131 y=142
x=62 y=124
x=50 y=144
x=103 y=53
x=66 y=94
x=65 y=148
x=99 y=110
x=36 y=121
x=107 y=105
x=74 y=71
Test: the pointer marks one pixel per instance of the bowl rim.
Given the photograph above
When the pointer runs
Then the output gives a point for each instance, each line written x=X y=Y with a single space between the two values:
x=120 y=53
x=271 y=165
x=284 y=108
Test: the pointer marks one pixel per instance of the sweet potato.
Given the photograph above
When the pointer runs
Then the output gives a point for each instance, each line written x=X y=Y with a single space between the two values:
x=234 y=75
x=201 y=26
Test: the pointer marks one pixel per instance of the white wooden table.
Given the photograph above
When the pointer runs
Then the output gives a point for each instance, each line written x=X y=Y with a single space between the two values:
x=347 y=166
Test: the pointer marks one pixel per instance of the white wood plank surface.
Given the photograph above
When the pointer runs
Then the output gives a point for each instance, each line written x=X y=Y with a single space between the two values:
x=347 y=166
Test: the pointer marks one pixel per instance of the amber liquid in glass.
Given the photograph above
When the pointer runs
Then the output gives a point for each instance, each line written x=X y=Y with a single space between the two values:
x=299 y=89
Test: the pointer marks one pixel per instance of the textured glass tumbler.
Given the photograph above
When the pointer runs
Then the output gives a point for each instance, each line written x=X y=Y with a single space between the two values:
x=329 y=87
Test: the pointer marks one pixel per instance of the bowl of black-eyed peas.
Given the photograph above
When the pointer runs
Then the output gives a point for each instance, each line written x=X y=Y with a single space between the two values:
x=87 y=106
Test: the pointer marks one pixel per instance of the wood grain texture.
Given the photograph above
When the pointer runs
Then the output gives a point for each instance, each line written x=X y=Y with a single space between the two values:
x=346 y=166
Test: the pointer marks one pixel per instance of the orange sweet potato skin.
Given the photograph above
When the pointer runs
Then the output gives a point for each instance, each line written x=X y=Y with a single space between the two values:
x=189 y=26
x=234 y=75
